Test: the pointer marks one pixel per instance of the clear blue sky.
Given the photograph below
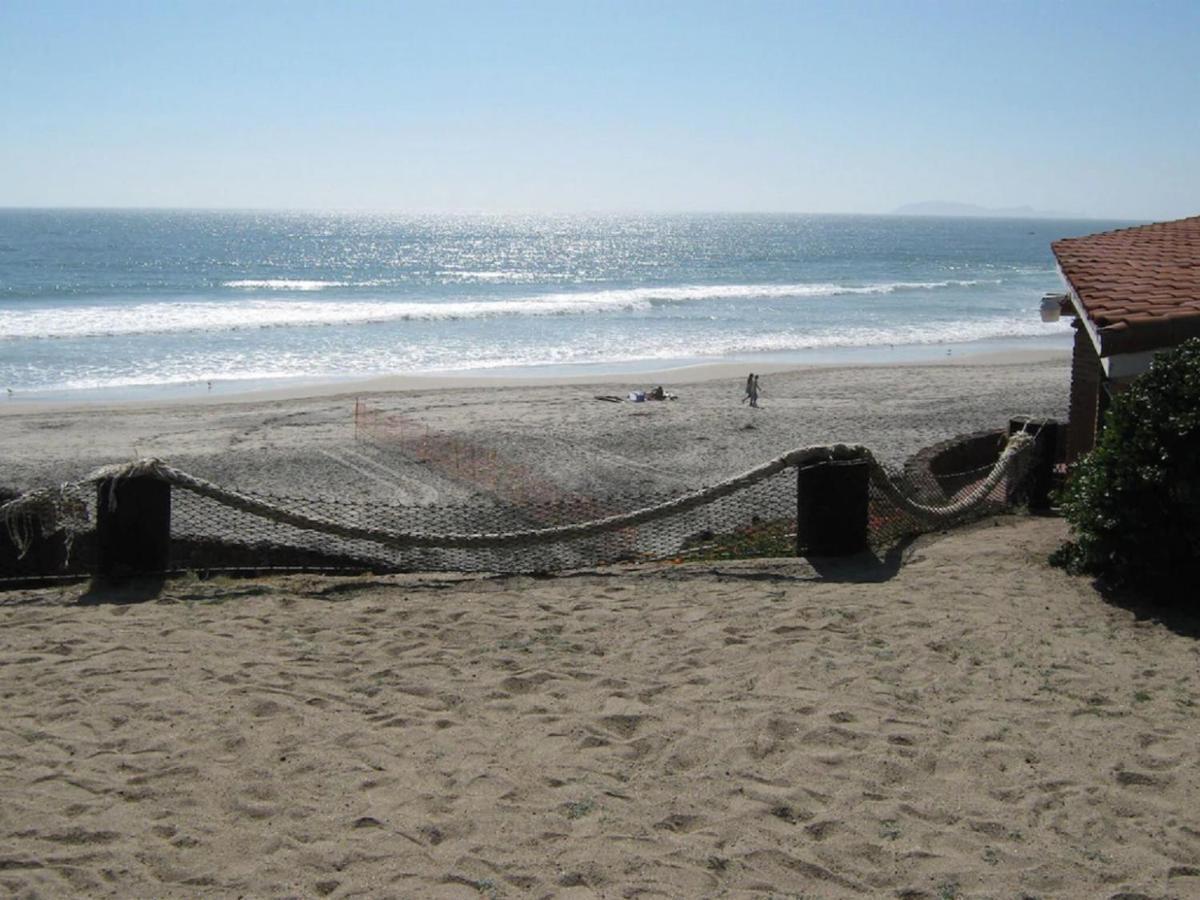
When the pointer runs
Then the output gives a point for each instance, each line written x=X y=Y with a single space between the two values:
x=1085 y=107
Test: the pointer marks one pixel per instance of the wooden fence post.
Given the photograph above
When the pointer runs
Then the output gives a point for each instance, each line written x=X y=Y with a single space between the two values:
x=1035 y=488
x=832 y=500
x=134 y=538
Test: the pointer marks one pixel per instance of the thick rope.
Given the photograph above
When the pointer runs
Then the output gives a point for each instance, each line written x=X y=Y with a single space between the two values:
x=1016 y=447
x=21 y=516
x=44 y=511
x=246 y=503
x=16 y=513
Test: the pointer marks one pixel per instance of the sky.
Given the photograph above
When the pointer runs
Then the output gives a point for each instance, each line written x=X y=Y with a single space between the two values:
x=1086 y=108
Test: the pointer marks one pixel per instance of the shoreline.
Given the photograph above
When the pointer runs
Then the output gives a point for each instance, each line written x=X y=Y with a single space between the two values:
x=637 y=374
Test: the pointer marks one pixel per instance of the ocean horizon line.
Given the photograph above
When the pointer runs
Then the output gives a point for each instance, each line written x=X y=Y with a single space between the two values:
x=557 y=213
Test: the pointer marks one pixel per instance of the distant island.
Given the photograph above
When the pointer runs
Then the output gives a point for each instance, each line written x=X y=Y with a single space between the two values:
x=934 y=208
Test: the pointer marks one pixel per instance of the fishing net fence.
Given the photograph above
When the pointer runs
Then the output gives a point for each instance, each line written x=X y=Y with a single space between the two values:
x=509 y=525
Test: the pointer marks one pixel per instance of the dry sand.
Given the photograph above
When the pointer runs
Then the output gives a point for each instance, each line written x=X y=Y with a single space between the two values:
x=556 y=431
x=971 y=724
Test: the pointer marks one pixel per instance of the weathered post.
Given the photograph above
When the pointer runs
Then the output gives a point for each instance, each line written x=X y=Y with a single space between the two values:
x=831 y=507
x=133 y=527
x=1035 y=488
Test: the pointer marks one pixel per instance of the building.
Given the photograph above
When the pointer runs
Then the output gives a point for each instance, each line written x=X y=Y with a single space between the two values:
x=1133 y=292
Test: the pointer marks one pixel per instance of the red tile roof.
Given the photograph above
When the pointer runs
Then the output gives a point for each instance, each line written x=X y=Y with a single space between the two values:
x=1139 y=286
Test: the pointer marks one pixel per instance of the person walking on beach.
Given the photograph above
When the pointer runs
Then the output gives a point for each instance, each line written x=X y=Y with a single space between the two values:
x=752 y=390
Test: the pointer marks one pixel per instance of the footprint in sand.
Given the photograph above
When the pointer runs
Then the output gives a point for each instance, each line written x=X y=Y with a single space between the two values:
x=624 y=726
x=265 y=709
x=819 y=831
x=679 y=822
x=524 y=684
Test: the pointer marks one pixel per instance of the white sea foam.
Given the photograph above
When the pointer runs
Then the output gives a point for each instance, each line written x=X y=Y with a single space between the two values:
x=166 y=317
x=715 y=345
x=784 y=291
x=501 y=276
x=267 y=363
x=284 y=284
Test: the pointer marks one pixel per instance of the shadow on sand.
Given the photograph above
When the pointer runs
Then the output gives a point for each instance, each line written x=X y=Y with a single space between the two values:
x=862 y=568
x=1177 y=612
x=119 y=593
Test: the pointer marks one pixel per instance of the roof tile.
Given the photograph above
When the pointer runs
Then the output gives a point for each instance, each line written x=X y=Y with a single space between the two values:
x=1140 y=285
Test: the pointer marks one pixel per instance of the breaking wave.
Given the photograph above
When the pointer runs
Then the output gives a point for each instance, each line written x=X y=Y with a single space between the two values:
x=165 y=317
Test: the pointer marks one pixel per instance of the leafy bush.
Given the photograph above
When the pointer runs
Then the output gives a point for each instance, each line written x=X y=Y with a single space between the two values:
x=1134 y=501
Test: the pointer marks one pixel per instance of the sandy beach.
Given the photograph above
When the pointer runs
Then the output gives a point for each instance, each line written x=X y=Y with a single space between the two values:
x=958 y=720
x=596 y=450
x=973 y=724
x=304 y=441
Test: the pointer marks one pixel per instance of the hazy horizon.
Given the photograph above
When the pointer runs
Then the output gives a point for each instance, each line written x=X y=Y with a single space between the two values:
x=538 y=107
x=350 y=210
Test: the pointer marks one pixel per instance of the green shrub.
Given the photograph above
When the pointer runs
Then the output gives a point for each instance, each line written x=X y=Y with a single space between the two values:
x=1134 y=501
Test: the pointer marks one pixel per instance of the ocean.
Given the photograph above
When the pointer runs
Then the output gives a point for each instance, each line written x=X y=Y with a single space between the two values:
x=120 y=304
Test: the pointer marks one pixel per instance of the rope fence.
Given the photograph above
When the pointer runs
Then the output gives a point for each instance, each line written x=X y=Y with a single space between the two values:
x=150 y=516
